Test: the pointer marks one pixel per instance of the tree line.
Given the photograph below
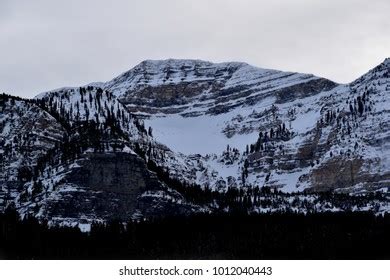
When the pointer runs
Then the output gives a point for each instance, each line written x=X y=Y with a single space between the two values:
x=207 y=236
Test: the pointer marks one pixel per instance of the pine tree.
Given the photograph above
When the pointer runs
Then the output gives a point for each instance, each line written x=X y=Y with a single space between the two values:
x=360 y=105
x=351 y=108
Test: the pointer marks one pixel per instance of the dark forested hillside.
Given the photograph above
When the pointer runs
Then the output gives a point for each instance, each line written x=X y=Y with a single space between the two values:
x=266 y=236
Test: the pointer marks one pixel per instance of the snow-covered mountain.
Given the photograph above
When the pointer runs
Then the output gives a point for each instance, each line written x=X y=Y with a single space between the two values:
x=183 y=136
x=207 y=110
x=194 y=87
x=70 y=156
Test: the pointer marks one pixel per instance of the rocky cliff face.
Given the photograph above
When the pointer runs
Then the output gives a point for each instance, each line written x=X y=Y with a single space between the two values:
x=194 y=87
x=104 y=186
x=108 y=186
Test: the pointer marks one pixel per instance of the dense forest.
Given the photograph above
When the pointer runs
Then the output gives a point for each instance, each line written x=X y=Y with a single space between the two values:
x=224 y=236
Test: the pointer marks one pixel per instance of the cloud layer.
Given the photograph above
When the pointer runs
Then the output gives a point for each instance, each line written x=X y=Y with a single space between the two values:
x=47 y=44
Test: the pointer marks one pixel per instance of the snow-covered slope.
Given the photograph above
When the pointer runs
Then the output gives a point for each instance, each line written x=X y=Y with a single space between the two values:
x=70 y=157
x=90 y=103
x=194 y=87
x=26 y=132
x=200 y=108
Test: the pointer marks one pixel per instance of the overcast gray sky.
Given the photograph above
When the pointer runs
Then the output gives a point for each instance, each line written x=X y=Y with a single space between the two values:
x=46 y=44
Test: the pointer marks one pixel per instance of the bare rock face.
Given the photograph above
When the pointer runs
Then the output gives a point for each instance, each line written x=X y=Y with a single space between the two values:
x=336 y=173
x=109 y=186
x=118 y=172
x=343 y=174
x=165 y=95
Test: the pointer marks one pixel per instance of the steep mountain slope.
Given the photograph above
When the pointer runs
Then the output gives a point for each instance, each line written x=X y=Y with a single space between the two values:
x=358 y=139
x=27 y=132
x=195 y=87
x=69 y=157
x=242 y=125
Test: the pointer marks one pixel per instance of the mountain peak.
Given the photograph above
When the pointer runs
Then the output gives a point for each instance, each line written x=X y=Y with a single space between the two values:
x=152 y=73
x=386 y=62
x=185 y=64
x=384 y=65
x=173 y=61
x=381 y=71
